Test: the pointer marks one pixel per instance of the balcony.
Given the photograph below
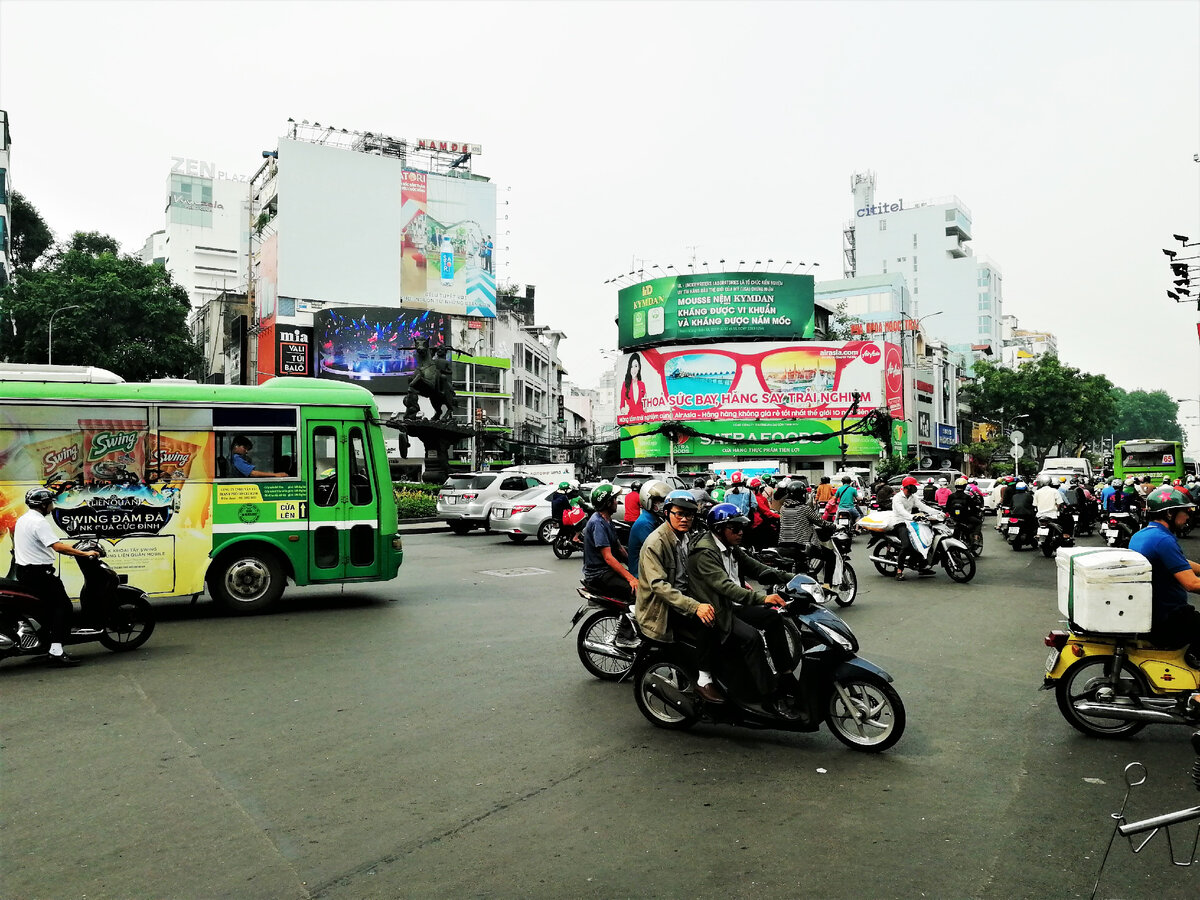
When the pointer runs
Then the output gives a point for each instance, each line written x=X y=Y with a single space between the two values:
x=958 y=225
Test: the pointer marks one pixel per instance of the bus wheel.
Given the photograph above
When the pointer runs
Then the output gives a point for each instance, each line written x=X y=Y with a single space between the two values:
x=246 y=581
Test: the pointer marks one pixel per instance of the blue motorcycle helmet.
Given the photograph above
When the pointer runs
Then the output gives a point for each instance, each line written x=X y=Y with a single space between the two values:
x=725 y=514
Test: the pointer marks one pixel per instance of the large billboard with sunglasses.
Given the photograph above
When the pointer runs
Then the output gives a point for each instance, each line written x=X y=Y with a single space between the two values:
x=717 y=306
x=759 y=381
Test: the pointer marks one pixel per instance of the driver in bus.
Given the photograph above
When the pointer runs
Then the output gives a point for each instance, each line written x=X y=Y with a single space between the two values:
x=242 y=462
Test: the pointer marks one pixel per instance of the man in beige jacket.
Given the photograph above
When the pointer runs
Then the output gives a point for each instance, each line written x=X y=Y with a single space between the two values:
x=662 y=562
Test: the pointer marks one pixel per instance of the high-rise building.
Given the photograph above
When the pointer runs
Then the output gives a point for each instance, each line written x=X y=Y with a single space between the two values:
x=205 y=243
x=927 y=243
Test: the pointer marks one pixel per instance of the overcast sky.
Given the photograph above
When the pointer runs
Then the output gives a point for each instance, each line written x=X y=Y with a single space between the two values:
x=623 y=131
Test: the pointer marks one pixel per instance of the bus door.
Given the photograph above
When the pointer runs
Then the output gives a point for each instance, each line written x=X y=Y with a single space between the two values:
x=343 y=516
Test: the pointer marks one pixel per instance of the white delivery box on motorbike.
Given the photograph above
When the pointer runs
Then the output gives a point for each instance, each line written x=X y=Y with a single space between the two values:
x=879 y=520
x=1104 y=590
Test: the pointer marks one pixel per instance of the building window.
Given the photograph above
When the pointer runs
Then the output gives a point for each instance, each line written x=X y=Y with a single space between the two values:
x=3 y=185
x=949 y=215
x=914 y=242
x=914 y=264
x=885 y=267
x=914 y=285
x=883 y=224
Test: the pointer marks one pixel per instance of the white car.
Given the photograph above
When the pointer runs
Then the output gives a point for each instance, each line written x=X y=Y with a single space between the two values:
x=528 y=513
x=986 y=485
x=465 y=500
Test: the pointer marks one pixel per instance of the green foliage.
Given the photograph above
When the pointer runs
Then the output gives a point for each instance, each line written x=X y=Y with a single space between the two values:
x=31 y=236
x=895 y=465
x=415 y=504
x=840 y=322
x=130 y=318
x=1061 y=405
x=418 y=487
x=1146 y=414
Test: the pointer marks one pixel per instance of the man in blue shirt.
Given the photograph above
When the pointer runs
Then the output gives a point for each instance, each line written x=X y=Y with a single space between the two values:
x=651 y=497
x=1175 y=621
x=243 y=465
x=602 y=551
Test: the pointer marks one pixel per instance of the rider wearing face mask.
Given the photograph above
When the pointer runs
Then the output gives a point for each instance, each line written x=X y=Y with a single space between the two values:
x=907 y=506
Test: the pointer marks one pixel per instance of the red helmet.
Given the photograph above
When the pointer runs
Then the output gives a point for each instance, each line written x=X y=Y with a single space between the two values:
x=910 y=482
x=736 y=477
x=755 y=483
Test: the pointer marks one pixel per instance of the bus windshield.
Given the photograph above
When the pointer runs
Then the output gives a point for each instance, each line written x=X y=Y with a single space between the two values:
x=1148 y=457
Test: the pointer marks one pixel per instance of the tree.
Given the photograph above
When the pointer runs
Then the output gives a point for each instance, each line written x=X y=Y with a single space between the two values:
x=1146 y=414
x=840 y=323
x=1054 y=405
x=31 y=236
x=129 y=316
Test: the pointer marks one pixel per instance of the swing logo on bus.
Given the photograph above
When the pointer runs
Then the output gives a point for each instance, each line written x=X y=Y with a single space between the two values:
x=106 y=442
x=109 y=517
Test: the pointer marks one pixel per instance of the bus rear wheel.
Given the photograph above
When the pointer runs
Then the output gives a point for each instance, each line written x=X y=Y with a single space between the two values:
x=247 y=581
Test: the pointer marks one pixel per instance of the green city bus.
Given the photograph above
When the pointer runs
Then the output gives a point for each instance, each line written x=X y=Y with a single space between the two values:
x=1149 y=456
x=147 y=469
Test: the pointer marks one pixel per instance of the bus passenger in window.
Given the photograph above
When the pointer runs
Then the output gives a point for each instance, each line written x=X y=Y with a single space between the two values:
x=243 y=464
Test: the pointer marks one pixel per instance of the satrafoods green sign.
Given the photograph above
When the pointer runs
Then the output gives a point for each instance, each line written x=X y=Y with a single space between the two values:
x=636 y=443
x=719 y=306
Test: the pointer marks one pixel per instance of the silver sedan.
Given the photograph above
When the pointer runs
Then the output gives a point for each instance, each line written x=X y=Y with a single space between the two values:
x=528 y=513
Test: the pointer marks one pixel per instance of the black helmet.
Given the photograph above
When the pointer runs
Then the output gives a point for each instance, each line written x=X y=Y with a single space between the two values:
x=39 y=496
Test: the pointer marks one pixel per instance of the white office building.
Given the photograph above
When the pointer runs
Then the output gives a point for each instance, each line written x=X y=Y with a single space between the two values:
x=927 y=243
x=205 y=241
x=1021 y=345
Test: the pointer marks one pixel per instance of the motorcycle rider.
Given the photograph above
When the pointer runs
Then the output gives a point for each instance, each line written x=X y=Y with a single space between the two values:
x=1022 y=508
x=907 y=506
x=798 y=522
x=929 y=492
x=963 y=507
x=1175 y=622
x=766 y=521
x=650 y=498
x=603 y=571
x=1109 y=489
x=716 y=566
x=942 y=494
x=34 y=547
x=739 y=495
x=824 y=492
x=1050 y=503
x=633 y=502
x=560 y=502
x=661 y=605
x=847 y=498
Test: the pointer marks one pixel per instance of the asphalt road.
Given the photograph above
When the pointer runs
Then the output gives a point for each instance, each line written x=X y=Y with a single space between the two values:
x=437 y=737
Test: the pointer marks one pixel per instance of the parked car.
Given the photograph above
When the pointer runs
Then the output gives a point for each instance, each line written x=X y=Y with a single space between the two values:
x=626 y=479
x=528 y=513
x=465 y=500
x=986 y=485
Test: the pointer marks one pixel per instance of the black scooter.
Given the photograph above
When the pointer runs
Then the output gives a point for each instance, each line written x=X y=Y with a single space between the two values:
x=830 y=682
x=1051 y=536
x=114 y=613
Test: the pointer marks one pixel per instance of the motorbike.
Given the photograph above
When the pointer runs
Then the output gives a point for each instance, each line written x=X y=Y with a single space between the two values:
x=112 y=612
x=844 y=522
x=597 y=651
x=844 y=588
x=969 y=530
x=830 y=682
x=933 y=540
x=1119 y=528
x=1110 y=685
x=1051 y=536
x=1020 y=530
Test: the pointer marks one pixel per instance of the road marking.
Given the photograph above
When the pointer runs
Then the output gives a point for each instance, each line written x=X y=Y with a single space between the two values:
x=515 y=573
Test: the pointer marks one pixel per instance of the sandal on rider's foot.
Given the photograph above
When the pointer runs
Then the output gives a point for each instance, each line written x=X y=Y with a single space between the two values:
x=899 y=575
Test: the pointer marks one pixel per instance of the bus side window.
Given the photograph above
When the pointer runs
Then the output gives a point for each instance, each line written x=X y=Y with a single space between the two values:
x=360 y=476
x=324 y=456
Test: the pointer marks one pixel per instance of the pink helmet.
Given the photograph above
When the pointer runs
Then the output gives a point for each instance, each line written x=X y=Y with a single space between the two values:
x=736 y=478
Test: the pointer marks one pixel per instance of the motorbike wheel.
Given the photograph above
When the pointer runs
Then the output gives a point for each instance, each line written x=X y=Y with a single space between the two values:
x=1081 y=682
x=562 y=548
x=878 y=705
x=1016 y=543
x=1048 y=548
x=959 y=565
x=547 y=532
x=129 y=624
x=660 y=713
x=600 y=628
x=848 y=589
x=887 y=550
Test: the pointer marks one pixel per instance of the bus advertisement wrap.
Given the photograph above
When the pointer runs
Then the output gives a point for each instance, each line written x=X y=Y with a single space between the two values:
x=637 y=444
x=773 y=382
x=719 y=306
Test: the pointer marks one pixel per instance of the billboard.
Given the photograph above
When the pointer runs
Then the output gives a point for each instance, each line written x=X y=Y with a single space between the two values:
x=293 y=350
x=361 y=229
x=762 y=381
x=720 y=306
x=638 y=443
x=367 y=344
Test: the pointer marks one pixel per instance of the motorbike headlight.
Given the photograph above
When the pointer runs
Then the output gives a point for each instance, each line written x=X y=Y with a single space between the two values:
x=832 y=637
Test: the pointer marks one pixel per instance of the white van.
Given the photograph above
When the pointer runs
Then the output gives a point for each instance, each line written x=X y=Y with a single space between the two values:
x=1078 y=466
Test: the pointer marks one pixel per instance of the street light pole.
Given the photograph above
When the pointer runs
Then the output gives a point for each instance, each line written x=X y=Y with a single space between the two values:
x=50 y=339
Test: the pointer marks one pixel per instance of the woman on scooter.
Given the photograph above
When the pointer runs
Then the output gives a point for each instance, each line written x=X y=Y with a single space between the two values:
x=907 y=506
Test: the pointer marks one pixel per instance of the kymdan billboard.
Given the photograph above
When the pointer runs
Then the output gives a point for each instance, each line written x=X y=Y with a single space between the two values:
x=720 y=305
x=759 y=381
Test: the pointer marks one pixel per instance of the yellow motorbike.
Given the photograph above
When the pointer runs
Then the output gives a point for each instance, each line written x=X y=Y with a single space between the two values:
x=1110 y=685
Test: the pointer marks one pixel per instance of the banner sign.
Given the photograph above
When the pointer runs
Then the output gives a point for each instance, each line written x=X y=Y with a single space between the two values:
x=719 y=306
x=774 y=382
x=294 y=350
x=636 y=444
x=373 y=346
x=947 y=436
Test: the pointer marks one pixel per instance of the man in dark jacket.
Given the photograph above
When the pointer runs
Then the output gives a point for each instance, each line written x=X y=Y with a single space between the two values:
x=716 y=566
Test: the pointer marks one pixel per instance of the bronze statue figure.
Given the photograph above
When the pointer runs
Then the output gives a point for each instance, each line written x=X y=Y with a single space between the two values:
x=434 y=378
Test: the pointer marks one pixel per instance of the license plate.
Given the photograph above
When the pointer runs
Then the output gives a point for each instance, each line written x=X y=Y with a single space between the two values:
x=1043 y=531
x=1052 y=660
x=1014 y=529
x=499 y=513
x=450 y=499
